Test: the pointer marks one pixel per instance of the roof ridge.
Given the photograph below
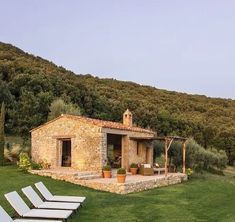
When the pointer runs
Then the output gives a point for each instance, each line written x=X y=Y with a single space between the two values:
x=99 y=122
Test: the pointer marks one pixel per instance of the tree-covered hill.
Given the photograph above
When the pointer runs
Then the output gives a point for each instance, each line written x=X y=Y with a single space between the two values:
x=29 y=84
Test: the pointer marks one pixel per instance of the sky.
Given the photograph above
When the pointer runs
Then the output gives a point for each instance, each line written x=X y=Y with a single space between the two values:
x=179 y=45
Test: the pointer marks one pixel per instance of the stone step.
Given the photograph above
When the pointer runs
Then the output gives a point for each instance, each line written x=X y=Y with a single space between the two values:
x=87 y=177
x=84 y=173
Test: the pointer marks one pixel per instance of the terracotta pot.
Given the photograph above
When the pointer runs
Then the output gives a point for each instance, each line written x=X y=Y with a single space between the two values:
x=133 y=171
x=121 y=178
x=107 y=174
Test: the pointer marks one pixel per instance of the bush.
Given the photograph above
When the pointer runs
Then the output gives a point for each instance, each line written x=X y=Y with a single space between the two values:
x=36 y=166
x=121 y=171
x=24 y=162
x=44 y=165
x=59 y=107
x=107 y=168
x=189 y=172
x=197 y=158
x=14 y=149
x=158 y=148
x=134 y=165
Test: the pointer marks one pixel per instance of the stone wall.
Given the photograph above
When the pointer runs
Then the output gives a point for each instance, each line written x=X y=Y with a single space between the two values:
x=86 y=144
x=112 y=186
x=125 y=188
x=141 y=157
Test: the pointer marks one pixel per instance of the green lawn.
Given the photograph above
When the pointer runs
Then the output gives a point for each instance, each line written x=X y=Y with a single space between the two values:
x=205 y=198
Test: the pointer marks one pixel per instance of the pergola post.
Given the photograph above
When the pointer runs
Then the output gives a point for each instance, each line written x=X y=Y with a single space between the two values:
x=168 y=141
x=166 y=156
x=184 y=156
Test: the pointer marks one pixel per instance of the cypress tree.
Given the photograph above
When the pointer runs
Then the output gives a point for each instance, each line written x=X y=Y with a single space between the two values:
x=2 y=134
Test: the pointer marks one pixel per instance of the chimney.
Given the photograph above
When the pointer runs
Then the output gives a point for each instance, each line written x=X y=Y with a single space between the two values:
x=127 y=118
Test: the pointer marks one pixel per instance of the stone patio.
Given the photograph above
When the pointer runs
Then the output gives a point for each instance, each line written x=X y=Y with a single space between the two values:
x=134 y=183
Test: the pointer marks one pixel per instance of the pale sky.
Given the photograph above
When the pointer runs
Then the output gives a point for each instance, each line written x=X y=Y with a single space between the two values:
x=185 y=46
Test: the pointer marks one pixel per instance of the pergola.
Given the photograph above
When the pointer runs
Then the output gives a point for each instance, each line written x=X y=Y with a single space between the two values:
x=168 y=141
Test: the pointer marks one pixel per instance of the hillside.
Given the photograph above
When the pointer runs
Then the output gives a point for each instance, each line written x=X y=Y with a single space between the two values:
x=29 y=84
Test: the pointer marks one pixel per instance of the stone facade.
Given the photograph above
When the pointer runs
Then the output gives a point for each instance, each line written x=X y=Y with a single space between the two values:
x=88 y=139
x=140 y=152
x=85 y=144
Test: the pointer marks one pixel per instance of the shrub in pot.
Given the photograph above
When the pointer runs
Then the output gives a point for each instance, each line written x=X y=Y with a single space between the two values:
x=121 y=175
x=107 y=171
x=134 y=168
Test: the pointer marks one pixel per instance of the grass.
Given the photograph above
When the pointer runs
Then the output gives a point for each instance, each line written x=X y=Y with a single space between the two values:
x=206 y=197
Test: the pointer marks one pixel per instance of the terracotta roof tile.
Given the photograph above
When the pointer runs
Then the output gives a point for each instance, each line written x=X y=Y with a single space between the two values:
x=101 y=123
x=108 y=124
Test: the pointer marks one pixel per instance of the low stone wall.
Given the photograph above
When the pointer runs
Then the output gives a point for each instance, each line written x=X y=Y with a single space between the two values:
x=110 y=185
x=131 y=187
x=54 y=175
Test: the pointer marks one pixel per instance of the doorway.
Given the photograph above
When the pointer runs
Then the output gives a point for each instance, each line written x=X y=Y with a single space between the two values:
x=114 y=150
x=66 y=153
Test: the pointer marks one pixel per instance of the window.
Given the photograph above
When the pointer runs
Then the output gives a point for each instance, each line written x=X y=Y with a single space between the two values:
x=138 y=149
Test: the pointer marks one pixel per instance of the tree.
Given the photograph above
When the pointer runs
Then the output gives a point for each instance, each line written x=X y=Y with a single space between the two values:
x=31 y=111
x=226 y=141
x=2 y=134
x=59 y=107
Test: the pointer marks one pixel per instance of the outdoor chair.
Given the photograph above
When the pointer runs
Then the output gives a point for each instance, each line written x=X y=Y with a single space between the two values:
x=146 y=170
x=49 y=197
x=4 y=217
x=37 y=202
x=24 y=211
x=157 y=169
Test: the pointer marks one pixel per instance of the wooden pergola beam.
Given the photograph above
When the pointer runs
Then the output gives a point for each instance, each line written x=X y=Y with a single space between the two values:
x=170 y=137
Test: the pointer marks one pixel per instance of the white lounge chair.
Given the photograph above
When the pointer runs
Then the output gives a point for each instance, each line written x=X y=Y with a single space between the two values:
x=49 y=197
x=37 y=202
x=24 y=211
x=4 y=217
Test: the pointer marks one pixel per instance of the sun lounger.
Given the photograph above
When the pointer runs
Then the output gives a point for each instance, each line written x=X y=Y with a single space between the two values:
x=37 y=202
x=24 y=211
x=4 y=217
x=49 y=197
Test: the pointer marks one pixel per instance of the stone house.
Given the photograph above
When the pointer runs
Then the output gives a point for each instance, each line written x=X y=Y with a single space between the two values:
x=88 y=144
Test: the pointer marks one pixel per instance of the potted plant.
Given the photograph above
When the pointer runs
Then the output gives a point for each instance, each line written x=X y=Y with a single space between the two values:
x=121 y=175
x=134 y=168
x=107 y=171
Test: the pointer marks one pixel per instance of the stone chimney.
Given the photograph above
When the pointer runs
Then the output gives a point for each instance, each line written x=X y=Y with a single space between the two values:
x=127 y=118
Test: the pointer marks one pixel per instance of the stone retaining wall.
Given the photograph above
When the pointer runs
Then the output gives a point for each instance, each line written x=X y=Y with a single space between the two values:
x=132 y=187
x=110 y=185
